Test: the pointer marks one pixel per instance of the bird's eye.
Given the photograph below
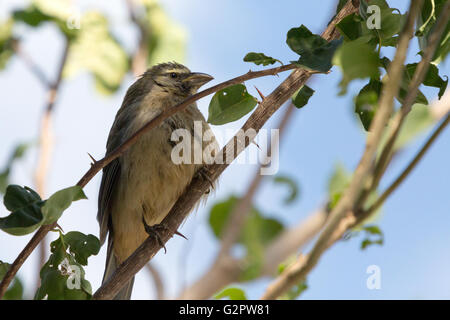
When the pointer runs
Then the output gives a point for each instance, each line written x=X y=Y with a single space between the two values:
x=173 y=75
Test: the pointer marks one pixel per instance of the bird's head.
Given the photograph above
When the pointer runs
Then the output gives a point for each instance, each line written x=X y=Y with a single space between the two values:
x=177 y=79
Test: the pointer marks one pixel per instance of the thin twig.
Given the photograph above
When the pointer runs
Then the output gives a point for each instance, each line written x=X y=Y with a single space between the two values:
x=140 y=56
x=46 y=145
x=408 y=169
x=397 y=123
x=32 y=66
x=395 y=72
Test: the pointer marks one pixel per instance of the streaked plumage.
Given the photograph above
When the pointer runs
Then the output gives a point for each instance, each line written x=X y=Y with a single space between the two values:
x=144 y=182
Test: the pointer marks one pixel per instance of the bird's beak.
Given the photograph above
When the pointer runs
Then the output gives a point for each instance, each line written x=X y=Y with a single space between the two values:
x=197 y=79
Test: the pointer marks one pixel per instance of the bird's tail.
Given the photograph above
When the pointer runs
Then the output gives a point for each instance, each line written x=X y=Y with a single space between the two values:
x=110 y=267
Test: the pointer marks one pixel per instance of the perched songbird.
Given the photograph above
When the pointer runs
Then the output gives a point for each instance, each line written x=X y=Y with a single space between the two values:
x=140 y=187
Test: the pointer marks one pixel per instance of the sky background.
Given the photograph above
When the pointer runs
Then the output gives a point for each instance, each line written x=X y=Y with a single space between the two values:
x=415 y=258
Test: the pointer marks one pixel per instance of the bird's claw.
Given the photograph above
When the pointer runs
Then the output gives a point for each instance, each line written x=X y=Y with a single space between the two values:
x=154 y=231
x=203 y=172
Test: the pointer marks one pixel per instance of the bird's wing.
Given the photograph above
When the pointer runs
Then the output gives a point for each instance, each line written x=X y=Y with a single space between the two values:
x=111 y=174
x=118 y=134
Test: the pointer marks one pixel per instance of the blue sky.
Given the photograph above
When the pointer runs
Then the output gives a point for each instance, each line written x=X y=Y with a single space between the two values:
x=415 y=257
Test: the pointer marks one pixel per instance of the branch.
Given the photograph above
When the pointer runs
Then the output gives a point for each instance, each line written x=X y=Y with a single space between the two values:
x=140 y=57
x=408 y=169
x=98 y=165
x=345 y=205
x=199 y=186
x=34 y=68
x=46 y=144
x=418 y=77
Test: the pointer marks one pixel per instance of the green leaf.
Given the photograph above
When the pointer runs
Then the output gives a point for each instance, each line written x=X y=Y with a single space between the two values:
x=257 y=232
x=62 y=276
x=356 y=61
x=432 y=78
x=391 y=23
x=373 y=230
x=41 y=11
x=419 y=119
x=316 y=53
x=350 y=27
x=366 y=102
x=230 y=104
x=82 y=246
x=302 y=41
x=337 y=184
x=95 y=50
x=32 y=16
x=15 y=290
x=231 y=294
x=6 y=42
x=374 y=235
x=60 y=201
x=301 y=98
x=260 y=58
x=267 y=228
x=166 y=39
x=25 y=206
x=404 y=86
x=291 y=184
x=29 y=211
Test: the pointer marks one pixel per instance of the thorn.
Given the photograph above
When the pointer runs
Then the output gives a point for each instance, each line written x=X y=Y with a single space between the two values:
x=180 y=234
x=92 y=158
x=255 y=144
x=260 y=94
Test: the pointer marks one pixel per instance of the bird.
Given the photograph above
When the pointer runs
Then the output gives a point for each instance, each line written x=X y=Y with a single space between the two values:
x=139 y=188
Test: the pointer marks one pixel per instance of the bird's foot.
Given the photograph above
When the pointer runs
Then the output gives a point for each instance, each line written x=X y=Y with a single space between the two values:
x=156 y=230
x=204 y=174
